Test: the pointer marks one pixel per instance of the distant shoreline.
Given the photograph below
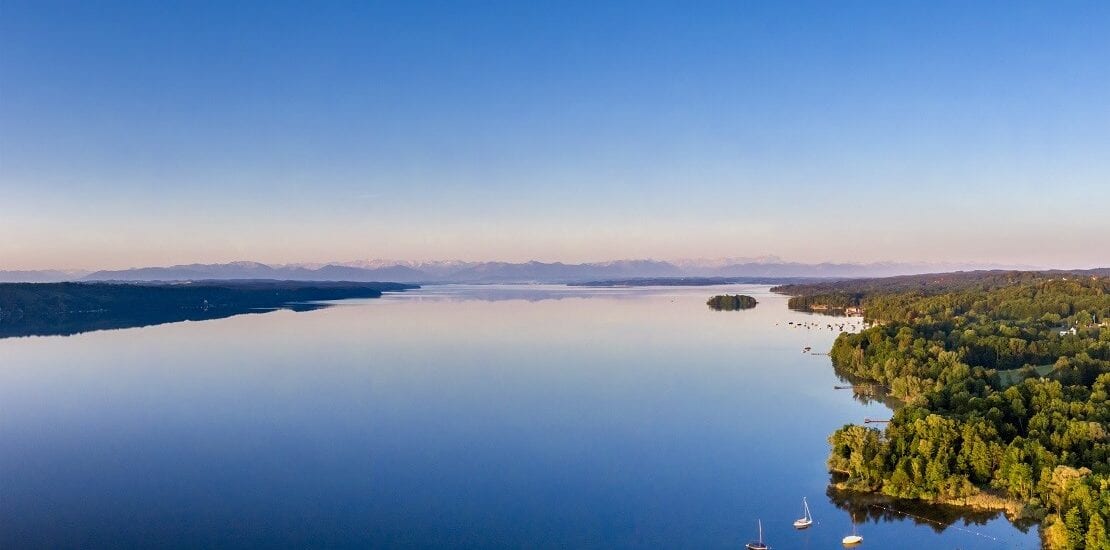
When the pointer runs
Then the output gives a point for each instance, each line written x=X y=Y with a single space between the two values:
x=45 y=309
x=697 y=281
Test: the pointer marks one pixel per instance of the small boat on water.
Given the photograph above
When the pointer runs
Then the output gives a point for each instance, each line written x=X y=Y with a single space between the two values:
x=806 y=520
x=853 y=539
x=758 y=544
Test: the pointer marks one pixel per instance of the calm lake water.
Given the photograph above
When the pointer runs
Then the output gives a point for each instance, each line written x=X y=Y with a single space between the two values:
x=454 y=416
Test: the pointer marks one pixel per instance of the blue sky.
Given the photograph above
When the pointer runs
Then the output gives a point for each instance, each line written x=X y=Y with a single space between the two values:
x=155 y=133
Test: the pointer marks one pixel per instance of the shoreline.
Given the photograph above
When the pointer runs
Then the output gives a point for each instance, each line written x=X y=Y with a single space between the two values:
x=1014 y=510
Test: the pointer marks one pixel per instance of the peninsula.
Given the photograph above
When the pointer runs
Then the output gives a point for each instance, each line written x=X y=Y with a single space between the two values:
x=30 y=309
x=1005 y=381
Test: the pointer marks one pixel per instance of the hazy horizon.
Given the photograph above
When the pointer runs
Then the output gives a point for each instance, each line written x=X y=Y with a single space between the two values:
x=575 y=274
x=768 y=258
x=694 y=264
x=6 y=265
x=159 y=134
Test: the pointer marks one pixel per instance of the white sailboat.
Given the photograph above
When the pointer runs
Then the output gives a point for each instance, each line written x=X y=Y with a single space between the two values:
x=758 y=545
x=853 y=539
x=806 y=520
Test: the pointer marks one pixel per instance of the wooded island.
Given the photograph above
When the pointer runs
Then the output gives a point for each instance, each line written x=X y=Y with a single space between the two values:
x=731 y=302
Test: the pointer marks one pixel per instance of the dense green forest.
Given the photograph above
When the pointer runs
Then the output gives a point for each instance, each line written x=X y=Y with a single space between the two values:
x=833 y=304
x=731 y=302
x=1005 y=380
x=836 y=296
x=68 y=308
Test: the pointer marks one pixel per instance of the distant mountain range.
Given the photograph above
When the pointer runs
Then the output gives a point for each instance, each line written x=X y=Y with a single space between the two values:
x=41 y=276
x=499 y=272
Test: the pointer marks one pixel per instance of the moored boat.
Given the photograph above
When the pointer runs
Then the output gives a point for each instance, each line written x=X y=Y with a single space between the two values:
x=854 y=539
x=806 y=520
x=758 y=544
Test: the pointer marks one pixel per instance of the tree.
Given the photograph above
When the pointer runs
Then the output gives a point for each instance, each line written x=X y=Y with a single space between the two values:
x=1096 y=534
x=1073 y=521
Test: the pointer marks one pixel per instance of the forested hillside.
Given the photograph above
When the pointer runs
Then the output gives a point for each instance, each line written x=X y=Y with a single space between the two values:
x=1005 y=380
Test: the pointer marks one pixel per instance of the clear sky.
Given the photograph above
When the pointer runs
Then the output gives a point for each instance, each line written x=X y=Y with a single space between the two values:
x=153 y=133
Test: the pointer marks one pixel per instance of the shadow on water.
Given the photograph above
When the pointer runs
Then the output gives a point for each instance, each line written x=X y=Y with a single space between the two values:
x=866 y=391
x=877 y=508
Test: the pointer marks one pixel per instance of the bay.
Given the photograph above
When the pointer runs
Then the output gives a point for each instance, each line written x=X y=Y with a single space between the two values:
x=497 y=416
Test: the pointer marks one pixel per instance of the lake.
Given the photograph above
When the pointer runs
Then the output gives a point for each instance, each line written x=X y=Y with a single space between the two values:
x=452 y=417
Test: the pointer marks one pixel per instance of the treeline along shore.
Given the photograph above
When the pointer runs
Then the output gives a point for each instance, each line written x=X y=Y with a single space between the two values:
x=1005 y=383
x=28 y=309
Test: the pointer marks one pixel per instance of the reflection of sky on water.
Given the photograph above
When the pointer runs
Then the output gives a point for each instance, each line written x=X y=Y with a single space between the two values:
x=536 y=293
x=436 y=418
